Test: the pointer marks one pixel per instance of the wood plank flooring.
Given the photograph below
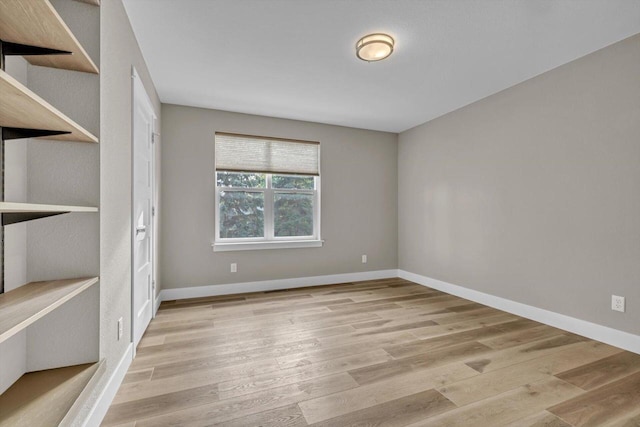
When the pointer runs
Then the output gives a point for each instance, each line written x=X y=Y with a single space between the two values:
x=376 y=353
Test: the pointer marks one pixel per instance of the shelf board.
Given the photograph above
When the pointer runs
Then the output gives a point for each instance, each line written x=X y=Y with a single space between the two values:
x=36 y=23
x=14 y=207
x=93 y=2
x=43 y=398
x=21 y=307
x=13 y=213
x=21 y=108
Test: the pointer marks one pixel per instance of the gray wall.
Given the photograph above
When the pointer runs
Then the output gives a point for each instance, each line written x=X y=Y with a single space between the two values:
x=15 y=183
x=533 y=194
x=13 y=352
x=119 y=51
x=359 y=211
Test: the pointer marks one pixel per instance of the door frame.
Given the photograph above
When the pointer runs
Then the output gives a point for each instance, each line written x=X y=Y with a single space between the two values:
x=135 y=80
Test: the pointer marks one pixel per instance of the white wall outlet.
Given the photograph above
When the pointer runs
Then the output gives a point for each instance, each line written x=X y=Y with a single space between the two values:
x=364 y=259
x=120 y=328
x=234 y=267
x=617 y=303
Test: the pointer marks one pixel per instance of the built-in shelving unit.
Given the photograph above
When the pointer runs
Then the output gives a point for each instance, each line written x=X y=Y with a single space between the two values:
x=20 y=108
x=36 y=23
x=43 y=397
x=21 y=307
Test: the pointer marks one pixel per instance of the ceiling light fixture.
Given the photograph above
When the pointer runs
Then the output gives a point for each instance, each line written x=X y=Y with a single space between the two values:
x=374 y=47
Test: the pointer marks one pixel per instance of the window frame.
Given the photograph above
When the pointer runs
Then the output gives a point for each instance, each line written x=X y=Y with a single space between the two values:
x=269 y=240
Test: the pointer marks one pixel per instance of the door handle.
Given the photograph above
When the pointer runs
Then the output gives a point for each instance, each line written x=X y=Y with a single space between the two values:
x=141 y=232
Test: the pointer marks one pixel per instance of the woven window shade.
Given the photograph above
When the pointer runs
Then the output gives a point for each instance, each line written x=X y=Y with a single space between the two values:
x=247 y=153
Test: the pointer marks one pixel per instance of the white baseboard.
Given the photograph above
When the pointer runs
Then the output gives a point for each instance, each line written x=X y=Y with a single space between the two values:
x=271 y=285
x=594 y=331
x=101 y=406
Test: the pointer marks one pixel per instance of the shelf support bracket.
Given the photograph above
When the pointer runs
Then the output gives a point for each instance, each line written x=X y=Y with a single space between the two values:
x=9 y=218
x=9 y=48
x=19 y=133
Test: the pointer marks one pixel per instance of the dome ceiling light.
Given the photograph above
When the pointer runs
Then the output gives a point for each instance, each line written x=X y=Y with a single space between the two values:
x=374 y=47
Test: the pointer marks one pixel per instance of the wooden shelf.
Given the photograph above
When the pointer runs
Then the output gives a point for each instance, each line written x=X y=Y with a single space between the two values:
x=93 y=2
x=21 y=108
x=36 y=23
x=13 y=213
x=21 y=307
x=13 y=207
x=43 y=398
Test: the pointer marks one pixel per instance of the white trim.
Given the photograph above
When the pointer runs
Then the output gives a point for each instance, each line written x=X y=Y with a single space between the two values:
x=594 y=331
x=140 y=97
x=156 y=305
x=271 y=285
x=271 y=244
x=100 y=408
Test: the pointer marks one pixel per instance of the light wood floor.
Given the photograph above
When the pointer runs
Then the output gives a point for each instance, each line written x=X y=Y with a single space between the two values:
x=378 y=353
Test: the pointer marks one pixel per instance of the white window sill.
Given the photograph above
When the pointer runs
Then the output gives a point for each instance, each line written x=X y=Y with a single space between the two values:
x=274 y=244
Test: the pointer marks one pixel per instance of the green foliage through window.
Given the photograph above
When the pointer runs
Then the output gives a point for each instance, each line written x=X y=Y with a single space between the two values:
x=241 y=214
x=243 y=200
x=293 y=214
x=242 y=180
x=291 y=181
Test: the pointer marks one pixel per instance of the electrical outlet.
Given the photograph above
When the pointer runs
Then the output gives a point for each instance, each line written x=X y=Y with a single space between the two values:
x=234 y=267
x=617 y=303
x=364 y=259
x=120 y=328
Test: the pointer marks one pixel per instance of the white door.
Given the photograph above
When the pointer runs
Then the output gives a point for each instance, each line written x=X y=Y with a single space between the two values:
x=142 y=268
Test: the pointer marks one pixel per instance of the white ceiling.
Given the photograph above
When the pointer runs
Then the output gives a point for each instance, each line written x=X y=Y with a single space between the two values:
x=296 y=58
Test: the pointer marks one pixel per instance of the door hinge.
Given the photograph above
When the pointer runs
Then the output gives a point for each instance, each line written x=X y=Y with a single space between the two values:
x=153 y=211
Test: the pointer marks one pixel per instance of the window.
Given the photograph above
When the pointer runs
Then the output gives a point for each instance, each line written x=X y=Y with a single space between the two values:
x=267 y=193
